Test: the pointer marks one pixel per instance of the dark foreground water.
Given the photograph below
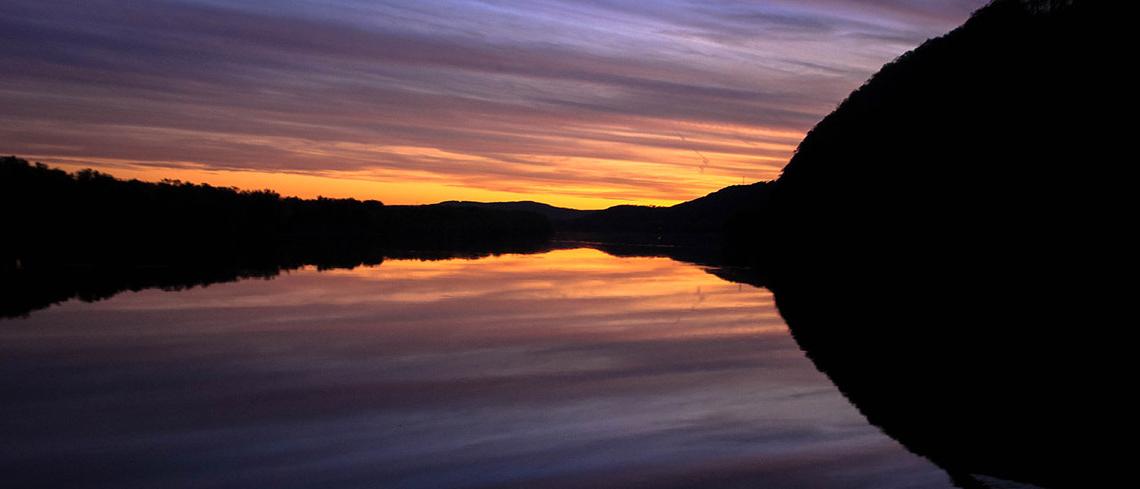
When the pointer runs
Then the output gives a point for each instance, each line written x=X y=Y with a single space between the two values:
x=571 y=368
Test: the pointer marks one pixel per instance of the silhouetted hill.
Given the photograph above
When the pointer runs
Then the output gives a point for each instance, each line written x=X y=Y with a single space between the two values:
x=708 y=214
x=951 y=244
x=53 y=218
x=722 y=220
x=551 y=212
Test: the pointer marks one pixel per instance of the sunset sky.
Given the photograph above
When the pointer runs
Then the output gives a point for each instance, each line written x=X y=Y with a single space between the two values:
x=587 y=103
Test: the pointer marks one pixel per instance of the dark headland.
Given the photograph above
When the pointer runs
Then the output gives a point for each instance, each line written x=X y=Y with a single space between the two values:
x=951 y=245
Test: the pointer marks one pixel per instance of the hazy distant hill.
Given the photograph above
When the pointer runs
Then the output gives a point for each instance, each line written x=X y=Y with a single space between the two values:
x=708 y=214
x=712 y=214
x=551 y=212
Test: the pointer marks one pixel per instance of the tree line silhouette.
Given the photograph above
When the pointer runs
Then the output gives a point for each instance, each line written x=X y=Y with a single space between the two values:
x=952 y=245
x=52 y=212
x=88 y=235
x=53 y=217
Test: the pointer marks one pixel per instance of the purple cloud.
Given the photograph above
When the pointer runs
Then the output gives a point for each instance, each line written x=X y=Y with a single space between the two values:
x=567 y=95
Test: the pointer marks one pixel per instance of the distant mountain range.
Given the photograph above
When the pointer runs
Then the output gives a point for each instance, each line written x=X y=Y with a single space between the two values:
x=711 y=214
x=551 y=212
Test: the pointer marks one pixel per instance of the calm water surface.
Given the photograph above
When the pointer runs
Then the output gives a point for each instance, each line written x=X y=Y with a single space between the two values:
x=566 y=369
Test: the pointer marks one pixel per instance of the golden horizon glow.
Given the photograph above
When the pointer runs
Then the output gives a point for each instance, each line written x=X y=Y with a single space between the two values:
x=581 y=105
x=696 y=174
x=307 y=186
x=625 y=286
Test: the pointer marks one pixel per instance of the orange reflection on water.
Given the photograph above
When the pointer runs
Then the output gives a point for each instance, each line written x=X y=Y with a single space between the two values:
x=572 y=367
x=578 y=291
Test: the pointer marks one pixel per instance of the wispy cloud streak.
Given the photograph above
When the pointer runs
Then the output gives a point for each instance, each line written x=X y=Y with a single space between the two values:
x=580 y=102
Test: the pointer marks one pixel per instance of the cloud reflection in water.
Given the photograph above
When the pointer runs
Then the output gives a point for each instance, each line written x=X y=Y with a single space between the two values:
x=567 y=369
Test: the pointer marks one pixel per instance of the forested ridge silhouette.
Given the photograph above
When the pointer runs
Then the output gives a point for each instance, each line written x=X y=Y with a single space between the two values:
x=174 y=222
x=53 y=217
x=88 y=235
x=712 y=213
x=952 y=245
x=723 y=220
